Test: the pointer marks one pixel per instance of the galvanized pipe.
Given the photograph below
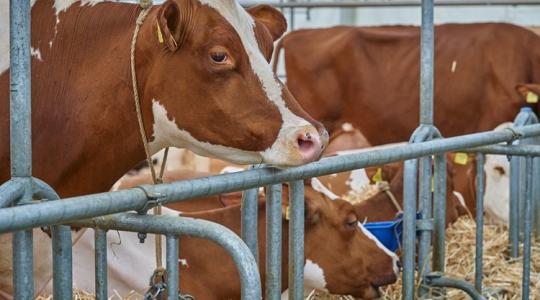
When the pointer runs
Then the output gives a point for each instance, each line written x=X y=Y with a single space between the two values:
x=409 y=229
x=172 y=267
x=513 y=150
x=393 y=3
x=273 y=242
x=513 y=226
x=425 y=196
x=61 y=244
x=100 y=256
x=437 y=280
x=296 y=240
x=427 y=57
x=250 y=211
x=478 y=272
x=536 y=198
x=11 y=191
x=178 y=226
x=527 y=230
x=72 y=209
x=439 y=210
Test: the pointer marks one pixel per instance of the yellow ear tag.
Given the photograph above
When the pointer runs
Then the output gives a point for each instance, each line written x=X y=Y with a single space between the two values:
x=378 y=176
x=432 y=184
x=461 y=158
x=159 y=34
x=287 y=213
x=532 y=97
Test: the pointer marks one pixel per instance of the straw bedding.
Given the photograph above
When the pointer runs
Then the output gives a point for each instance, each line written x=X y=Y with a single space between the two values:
x=502 y=277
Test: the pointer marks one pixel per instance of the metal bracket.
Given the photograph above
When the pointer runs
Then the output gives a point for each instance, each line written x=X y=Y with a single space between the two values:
x=153 y=198
x=425 y=225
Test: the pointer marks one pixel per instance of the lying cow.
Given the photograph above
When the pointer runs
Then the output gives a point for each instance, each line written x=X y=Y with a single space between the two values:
x=369 y=76
x=340 y=255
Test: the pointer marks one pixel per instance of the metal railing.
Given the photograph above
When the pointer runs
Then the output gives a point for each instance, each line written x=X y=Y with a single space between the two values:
x=426 y=142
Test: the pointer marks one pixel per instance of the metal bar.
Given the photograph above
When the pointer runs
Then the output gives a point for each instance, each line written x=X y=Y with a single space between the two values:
x=250 y=210
x=20 y=108
x=478 y=272
x=178 y=226
x=72 y=209
x=172 y=267
x=513 y=226
x=61 y=243
x=409 y=228
x=393 y=3
x=21 y=139
x=427 y=55
x=536 y=198
x=425 y=196
x=528 y=228
x=437 y=280
x=296 y=240
x=273 y=242
x=440 y=213
x=100 y=240
x=514 y=150
x=11 y=191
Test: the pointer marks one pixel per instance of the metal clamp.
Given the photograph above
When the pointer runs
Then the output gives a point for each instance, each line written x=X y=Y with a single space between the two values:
x=152 y=199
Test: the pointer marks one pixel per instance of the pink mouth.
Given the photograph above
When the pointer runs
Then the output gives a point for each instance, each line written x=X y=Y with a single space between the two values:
x=310 y=146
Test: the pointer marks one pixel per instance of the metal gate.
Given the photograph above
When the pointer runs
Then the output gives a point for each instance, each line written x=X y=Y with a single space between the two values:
x=19 y=214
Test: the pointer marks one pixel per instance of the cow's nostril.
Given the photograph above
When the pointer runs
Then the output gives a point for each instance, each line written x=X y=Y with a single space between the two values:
x=398 y=263
x=309 y=145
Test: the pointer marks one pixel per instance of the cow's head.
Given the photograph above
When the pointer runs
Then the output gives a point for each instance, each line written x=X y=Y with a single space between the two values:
x=208 y=86
x=342 y=257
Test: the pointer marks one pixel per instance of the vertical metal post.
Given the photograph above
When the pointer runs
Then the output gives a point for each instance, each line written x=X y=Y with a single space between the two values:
x=21 y=139
x=478 y=272
x=100 y=243
x=528 y=228
x=424 y=247
x=513 y=227
x=426 y=63
x=250 y=210
x=440 y=213
x=296 y=240
x=273 y=242
x=62 y=262
x=536 y=198
x=172 y=267
x=409 y=228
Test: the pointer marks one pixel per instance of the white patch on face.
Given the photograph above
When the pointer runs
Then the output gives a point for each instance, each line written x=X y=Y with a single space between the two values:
x=167 y=133
x=460 y=198
x=317 y=185
x=314 y=276
x=358 y=180
x=244 y=24
x=497 y=189
x=394 y=257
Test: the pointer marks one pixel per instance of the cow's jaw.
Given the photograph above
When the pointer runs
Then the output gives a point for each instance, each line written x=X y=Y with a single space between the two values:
x=166 y=134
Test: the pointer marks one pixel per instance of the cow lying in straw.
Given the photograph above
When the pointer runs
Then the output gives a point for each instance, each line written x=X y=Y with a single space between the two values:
x=340 y=255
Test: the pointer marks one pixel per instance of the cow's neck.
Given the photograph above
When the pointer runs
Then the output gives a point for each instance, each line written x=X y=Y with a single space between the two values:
x=85 y=131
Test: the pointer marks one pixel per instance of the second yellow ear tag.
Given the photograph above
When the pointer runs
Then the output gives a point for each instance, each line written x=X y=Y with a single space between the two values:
x=532 y=97
x=432 y=184
x=159 y=33
x=378 y=176
x=287 y=213
x=461 y=158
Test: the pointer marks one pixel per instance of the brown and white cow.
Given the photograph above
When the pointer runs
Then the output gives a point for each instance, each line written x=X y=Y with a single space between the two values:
x=369 y=76
x=340 y=255
x=203 y=79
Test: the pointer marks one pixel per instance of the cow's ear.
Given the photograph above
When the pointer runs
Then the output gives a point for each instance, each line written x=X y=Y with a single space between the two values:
x=172 y=23
x=271 y=18
x=312 y=204
x=529 y=92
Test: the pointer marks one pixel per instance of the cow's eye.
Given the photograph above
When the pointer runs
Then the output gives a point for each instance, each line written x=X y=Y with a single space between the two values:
x=352 y=221
x=219 y=58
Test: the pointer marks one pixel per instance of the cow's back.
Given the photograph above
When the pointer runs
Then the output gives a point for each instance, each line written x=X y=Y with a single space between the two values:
x=370 y=76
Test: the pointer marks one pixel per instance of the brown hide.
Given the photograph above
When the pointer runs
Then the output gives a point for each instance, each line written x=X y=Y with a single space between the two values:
x=369 y=76
x=84 y=127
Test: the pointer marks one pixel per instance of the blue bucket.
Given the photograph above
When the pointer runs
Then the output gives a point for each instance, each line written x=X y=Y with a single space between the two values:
x=388 y=233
